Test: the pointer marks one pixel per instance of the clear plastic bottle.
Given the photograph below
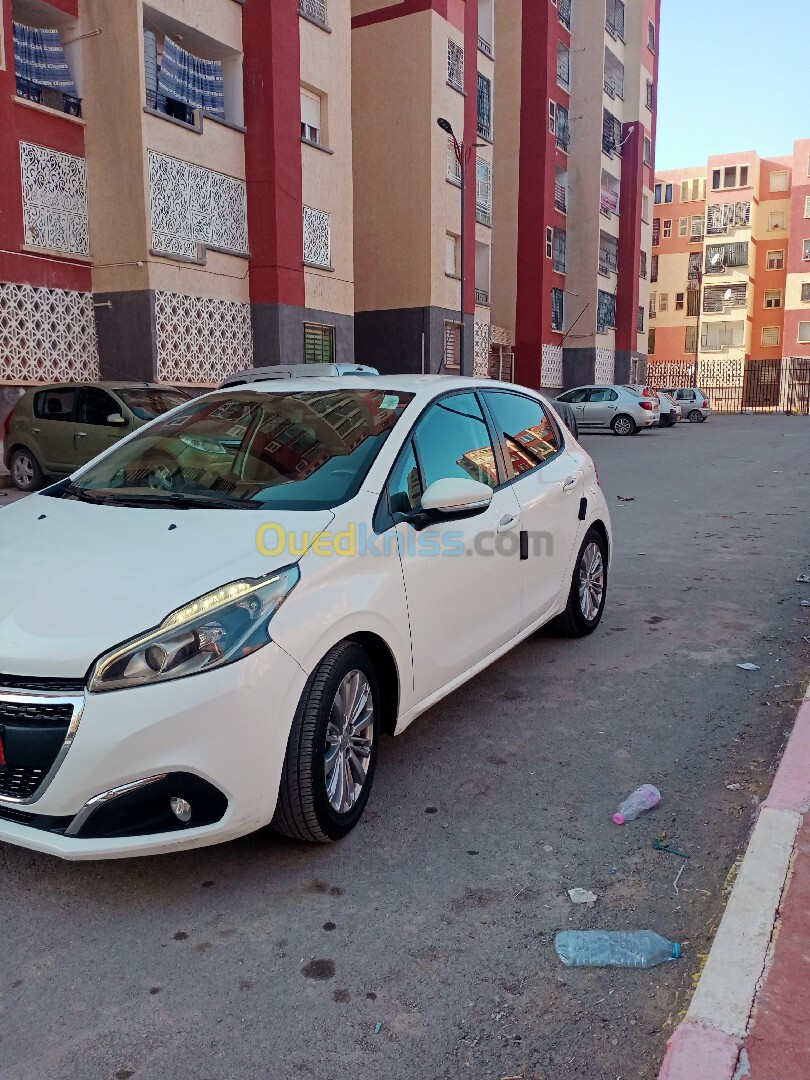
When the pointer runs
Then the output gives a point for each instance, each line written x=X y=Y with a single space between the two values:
x=643 y=798
x=614 y=948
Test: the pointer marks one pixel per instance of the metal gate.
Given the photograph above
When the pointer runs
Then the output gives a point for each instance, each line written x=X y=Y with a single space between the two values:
x=762 y=383
x=734 y=386
x=797 y=394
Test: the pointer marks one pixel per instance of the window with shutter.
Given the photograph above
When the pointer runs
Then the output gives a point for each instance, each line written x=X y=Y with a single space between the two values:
x=654 y=268
x=319 y=344
x=773 y=298
x=656 y=232
x=698 y=228
x=484 y=107
x=557 y=309
x=780 y=181
x=807 y=206
x=310 y=116
x=606 y=311
x=614 y=20
x=805 y=291
x=483 y=194
x=455 y=64
x=770 y=337
x=614 y=74
x=776 y=260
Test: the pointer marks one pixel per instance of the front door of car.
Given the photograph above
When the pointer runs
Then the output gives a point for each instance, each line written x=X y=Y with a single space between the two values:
x=576 y=399
x=549 y=485
x=52 y=426
x=462 y=577
x=93 y=433
x=601 y=406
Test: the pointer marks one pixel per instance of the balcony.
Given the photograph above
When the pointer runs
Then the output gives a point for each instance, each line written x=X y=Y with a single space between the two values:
x=564 y=12
x=560 y=198
x=49 y=96
x=485 y=47
x=608 y=202
x=315 y=10
x=608 y=263
x=177 y=110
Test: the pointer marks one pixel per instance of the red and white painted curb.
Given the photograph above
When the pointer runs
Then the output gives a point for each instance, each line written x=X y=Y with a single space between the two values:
x=707 y=1044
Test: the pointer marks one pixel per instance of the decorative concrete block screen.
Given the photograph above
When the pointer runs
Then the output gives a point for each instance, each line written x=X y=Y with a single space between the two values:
x=46 y=335
x=605 y=366
x=54 y=190
x=483 y=337
x=552 y=372
x=200 y=341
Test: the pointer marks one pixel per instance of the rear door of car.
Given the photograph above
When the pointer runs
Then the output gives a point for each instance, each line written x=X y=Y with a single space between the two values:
x=93 y=434
x=53 y=427
x=576 y=399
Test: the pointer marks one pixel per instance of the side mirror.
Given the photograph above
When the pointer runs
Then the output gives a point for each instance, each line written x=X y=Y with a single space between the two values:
x=115 y=418
x=456 y=495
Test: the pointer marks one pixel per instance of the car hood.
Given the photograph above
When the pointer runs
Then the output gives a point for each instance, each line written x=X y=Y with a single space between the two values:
x=76 y=579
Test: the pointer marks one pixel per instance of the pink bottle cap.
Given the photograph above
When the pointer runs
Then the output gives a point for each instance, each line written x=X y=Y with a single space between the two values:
x=619 y=819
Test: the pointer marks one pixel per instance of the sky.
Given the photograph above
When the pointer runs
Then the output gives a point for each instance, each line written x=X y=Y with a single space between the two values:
x=734 y=75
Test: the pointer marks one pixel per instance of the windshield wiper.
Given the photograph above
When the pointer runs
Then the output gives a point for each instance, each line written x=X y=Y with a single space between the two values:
x=175 y=499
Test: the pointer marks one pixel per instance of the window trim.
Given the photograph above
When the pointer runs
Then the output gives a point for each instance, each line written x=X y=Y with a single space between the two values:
x=779 y=172
x=775 y=251
x=772 y=307
x=514 y=477
x=773 y=345
x=332 y=335
x=803 y=340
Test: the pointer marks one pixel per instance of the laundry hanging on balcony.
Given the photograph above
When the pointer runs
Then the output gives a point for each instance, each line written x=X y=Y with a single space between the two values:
x=190 y=79
x=40 y=58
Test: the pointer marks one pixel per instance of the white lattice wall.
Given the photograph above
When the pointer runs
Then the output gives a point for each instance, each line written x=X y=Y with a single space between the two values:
x=552 y=372
x=195 y=208
x=54 y=191
x=605 y=367
x=483 y=337
x=201 y=340
x=46 y=335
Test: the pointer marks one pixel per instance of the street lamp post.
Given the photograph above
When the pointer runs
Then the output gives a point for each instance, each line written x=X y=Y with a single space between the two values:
x=463 y=154
x=699 y=280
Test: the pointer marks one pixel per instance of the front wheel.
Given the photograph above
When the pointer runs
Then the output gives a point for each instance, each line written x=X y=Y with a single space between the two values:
x=623 y=425
x=25 y=470
x=332 y=749
x=586 y=597
x=695 y=416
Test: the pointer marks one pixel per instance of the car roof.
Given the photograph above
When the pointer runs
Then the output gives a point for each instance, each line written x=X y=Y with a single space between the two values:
x=104 y=384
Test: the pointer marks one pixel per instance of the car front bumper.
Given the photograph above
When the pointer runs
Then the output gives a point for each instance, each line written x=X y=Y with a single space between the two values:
x=226 y=729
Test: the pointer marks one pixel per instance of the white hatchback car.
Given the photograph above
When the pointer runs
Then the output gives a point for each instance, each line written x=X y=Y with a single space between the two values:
x=221 y=615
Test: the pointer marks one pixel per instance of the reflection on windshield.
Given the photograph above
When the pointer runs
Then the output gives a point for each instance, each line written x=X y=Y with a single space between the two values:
x=290 y=451
x=148 y=402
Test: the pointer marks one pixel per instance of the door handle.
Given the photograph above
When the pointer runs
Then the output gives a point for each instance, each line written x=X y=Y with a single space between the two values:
x=570 y=484
x=81 y=434
x=508 y=523
x=36 y=430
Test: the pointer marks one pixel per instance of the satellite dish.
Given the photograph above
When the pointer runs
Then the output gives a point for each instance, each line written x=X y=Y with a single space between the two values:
x=717 y=258
x=727 y=295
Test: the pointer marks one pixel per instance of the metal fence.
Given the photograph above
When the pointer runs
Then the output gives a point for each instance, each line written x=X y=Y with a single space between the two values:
x=736 y=385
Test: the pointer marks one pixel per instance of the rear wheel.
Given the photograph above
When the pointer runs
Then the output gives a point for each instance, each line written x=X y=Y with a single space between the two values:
x=26 y=473
x=623 y=425
x=695 y=416
x=586 y=598
x=332 y=749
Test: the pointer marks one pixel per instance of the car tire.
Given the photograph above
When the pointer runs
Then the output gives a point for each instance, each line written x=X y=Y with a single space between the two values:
x=695 y=416
x=26 y=474
x=318 y=803
x=584 y=609
x=623 y=425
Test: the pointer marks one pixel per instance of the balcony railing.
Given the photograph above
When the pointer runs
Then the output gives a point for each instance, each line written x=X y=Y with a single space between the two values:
x=608 y=263
x=560 y=198
x=482 y=296
x=483 y=214
x=314 y=9
x=484 y=128
x=485 y=47
x=177 y=110
x=48 y=96
x=563 y=140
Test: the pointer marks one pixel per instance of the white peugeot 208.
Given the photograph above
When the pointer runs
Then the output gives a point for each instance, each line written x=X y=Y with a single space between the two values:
x=221 y=615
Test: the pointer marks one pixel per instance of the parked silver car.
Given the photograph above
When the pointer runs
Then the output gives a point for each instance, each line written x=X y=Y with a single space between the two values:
x=695 y=406
x=624 y=411
x=295 y=371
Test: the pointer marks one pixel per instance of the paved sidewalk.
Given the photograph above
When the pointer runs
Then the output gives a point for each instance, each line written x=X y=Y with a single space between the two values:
x=750 y=1016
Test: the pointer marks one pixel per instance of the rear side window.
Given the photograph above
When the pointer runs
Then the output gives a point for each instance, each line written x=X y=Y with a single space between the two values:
x=604 y=393
x=55 y=404
x=528 y=432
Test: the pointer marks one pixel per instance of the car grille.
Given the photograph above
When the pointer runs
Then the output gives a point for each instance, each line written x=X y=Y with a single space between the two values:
x=32 y=734
x=53 y=686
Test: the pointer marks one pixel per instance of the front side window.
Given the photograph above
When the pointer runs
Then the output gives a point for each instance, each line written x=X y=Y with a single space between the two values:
x=530 y=436
x=95 y=406
x=148 y=402
x=452 y=440
x=55 y=405
x=243 y=448
x=574 y=397
x=405 y=485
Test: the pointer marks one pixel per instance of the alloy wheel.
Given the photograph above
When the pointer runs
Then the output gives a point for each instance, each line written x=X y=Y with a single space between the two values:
x=349 y=737
x=22 y=471
x=623 y=425
x=591 y=581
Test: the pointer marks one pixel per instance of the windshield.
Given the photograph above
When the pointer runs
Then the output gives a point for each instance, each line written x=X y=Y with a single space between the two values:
x=148 y=402
x=245 y=448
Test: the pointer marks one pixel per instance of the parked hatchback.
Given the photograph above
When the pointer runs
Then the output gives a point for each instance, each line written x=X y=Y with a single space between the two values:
x=623 y=411
x=53 y=430
x=695 y=406
x=229 y=608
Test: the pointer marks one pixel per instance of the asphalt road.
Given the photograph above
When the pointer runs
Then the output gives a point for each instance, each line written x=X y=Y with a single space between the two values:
x=421 y=946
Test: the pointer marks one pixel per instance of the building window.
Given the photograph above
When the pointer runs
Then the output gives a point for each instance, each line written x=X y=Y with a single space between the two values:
x=317 y=238
x=315 y=10
x=770 y=337
x=552 y=117
x=804 y=332
x=549 y=242
x=693 y=303
x=650 y=94
x=310 y=116
x=690 y=340
x=679 y=300
x=564 y=12
x=559 y=250
x=641 y=320
x=483 y=192
x=614 y=18
x=695 y=265
x=693 y=190
x=647 y=151
x=484 y=107
x=486 y=27
x=683 y=226
x=780 y=181
x=715 y=179
x=659 y=188
x=656 y=232
x=614 y=75
x=668 y=193
x=806 y=292
x=645 y=207
x=182 y=84
x=54 y=193
x=43 y=73
x=730 y=177
x=663 y=302
x=453 y=164
x=806 y=251
x=721 y=256
x=455 y=65
x=642 y=272
x=807 y=206
x=563 y=129
x=563 y=65
x=698 y=229
x=651 y=342
x=651 y=36
x=724 y=217
x=605 y=312
x=452 y=344
x=557 y=310
x=714 y=297
x=452 y=261
x=776 y=220
x=773 y=298
x=319 y=344
x=653 y=305
x=611 y=134
x=776 y=260
x=608 y=254
x=717 y=336
x=743 y=176
x=668 y=228
x=654 y=268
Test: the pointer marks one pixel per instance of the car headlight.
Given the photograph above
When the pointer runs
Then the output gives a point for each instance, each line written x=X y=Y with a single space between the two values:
x=210 y=632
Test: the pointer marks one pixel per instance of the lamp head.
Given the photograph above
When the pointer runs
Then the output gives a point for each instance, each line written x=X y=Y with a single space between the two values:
x=445 y=125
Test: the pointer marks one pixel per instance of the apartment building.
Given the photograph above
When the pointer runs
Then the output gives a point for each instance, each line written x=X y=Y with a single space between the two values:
x=177 y=187
x=554 y=101
x=730 y=291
